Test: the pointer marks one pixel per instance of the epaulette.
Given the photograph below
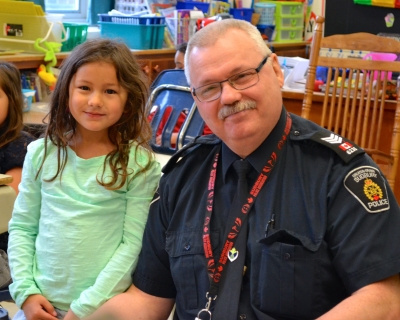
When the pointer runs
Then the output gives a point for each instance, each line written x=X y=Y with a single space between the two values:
x=190 y=147
x=346 y=149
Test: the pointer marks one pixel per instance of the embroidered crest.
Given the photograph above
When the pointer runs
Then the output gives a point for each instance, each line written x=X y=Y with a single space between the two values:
x=366 y=184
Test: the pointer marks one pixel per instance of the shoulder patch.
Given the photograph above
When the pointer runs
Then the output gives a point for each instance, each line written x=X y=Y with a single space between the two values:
x=366 y=184
x=345 y=148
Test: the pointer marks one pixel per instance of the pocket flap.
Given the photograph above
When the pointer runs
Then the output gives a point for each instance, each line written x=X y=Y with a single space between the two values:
x=290 y=237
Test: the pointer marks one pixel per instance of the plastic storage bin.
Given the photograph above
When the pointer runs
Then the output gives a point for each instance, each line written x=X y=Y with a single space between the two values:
x=28 y=95
x=104 y=17
x=135 y=36
x=287 y=8
x=290 y=22
x=289 y=35
x=267 y=13
x=19 y=32
x=242 y=14
x=203 y=6
x=76 y=33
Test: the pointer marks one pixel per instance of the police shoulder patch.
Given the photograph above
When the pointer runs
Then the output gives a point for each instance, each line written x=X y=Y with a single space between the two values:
x=345 y=148
x=366 y=184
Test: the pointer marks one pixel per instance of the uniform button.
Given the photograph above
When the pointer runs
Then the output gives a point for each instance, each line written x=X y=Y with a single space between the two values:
x=187 y=247
x=242 y=317
x=286 y=256
x=297 y=133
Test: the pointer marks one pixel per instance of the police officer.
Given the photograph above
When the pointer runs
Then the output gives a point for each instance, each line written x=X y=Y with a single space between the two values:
x=314 y=235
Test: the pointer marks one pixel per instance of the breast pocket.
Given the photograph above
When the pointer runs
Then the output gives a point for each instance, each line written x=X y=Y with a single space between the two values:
x=289 y=274
x=188 y=265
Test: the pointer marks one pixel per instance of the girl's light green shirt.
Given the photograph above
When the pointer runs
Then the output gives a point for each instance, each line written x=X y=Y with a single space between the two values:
x=71 y=240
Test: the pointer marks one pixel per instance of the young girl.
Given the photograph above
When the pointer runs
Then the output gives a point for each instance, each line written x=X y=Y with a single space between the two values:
x=78 y=221
x=13 y=141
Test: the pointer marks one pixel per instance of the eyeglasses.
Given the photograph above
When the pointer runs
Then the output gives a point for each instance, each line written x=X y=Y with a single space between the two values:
x=239 y=81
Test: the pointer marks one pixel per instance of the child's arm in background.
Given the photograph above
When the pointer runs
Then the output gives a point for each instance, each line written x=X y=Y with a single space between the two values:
x=23 y=229
x=116 y=276
x=16 y=173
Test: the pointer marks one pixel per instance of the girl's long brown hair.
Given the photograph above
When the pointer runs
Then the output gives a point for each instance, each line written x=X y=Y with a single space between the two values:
x=10 y=83
x=131 y=128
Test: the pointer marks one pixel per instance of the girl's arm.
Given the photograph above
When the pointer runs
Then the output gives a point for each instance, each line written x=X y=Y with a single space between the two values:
x=116 y=276
x=23 y=229
x=16 y=173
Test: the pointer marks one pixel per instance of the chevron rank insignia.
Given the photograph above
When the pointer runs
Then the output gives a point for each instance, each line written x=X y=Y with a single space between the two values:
x=366 y=184
x=345 y=148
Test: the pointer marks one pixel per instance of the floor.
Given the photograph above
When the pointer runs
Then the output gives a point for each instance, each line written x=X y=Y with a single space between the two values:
x=10 y=307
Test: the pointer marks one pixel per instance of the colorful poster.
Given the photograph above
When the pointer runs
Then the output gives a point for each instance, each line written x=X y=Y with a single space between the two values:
x=314 y=8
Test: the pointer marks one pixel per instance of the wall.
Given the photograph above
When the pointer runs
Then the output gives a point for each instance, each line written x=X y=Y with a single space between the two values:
x=343 y=16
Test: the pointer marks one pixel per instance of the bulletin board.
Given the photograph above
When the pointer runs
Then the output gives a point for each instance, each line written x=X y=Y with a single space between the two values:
x=344 y=16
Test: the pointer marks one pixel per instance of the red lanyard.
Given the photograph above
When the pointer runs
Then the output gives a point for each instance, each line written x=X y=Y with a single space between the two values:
x=216 y=270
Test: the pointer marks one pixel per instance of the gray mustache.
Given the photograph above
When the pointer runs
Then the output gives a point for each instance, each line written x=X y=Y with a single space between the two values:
x=226 y=111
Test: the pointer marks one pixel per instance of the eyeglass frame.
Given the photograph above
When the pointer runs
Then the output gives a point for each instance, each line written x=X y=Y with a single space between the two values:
x=258 y=69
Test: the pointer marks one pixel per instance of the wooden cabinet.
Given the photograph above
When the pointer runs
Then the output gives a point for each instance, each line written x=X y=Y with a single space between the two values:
x=300 y=49
x=152 y=61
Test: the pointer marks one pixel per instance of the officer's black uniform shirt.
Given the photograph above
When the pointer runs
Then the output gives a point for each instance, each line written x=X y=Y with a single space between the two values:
x=328 y=241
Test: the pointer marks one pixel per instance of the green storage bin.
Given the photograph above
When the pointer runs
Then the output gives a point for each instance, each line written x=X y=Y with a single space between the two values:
x=286 y=8
x=288 y=35
x=290 y=22
x=76 y=33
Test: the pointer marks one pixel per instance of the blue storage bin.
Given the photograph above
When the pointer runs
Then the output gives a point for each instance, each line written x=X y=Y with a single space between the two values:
x=104 y=17
x=242 y=14
x=28 y=95
x=135 y=36
x=203 y=6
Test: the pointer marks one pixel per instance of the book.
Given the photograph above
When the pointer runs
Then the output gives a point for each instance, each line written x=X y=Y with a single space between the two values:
x=182 y=18
x=217 y=7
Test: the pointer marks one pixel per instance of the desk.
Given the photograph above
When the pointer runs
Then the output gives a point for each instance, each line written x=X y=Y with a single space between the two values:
x=37 y=113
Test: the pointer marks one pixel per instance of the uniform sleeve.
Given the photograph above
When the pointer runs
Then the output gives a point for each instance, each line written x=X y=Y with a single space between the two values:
x=115 y=277
x=363 y=241
x=23 y=229
x=153 y=274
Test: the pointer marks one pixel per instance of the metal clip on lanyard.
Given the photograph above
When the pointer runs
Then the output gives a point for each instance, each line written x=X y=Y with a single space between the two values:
x=206 y=309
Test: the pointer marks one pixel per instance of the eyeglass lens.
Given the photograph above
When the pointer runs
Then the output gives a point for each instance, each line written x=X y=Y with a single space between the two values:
x=240 y=81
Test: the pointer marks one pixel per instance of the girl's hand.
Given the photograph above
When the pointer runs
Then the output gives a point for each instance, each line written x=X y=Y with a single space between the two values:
x=71 y=316
x=37 y=307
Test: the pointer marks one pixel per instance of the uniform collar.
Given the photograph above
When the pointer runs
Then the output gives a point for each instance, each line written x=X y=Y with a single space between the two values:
x=259 y=156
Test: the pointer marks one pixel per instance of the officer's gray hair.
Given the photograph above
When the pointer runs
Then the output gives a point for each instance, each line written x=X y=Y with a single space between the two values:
x=209 y=35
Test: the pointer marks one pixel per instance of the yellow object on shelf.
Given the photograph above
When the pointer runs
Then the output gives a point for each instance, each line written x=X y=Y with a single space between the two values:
x=21 y=31
x=21 y=7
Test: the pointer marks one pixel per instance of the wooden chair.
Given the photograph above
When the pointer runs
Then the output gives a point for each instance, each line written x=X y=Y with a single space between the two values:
x=7 y=198
x=356 y=111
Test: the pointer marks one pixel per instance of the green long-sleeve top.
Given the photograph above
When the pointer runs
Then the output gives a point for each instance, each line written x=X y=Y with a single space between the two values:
x=74 y=241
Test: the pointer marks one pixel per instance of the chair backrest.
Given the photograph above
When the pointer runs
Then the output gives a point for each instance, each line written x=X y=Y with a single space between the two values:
x=352 y=103
x=172 y=110
x=7 y=198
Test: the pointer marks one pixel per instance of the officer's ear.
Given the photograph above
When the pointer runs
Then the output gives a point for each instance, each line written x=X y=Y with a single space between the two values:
x=277 y=68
